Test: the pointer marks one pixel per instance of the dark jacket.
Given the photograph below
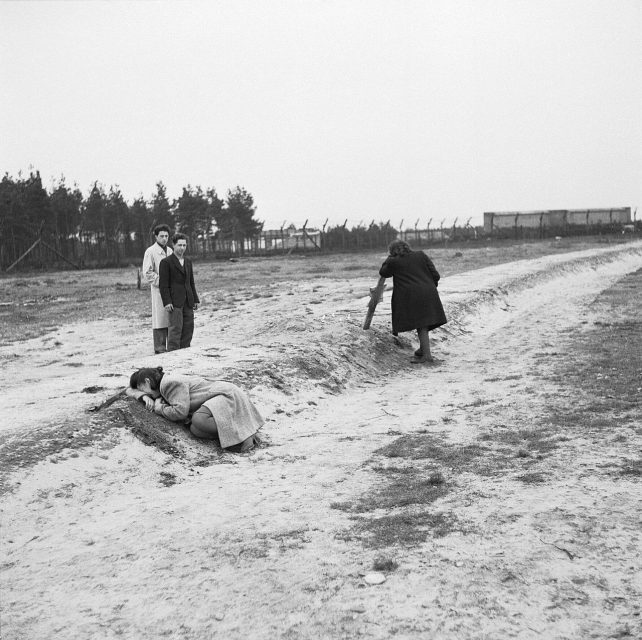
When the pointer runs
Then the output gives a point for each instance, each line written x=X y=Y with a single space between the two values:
x=415 y=301
x=176 y=283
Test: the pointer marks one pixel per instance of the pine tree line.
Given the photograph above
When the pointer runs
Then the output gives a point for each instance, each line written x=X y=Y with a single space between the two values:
x=62 y=212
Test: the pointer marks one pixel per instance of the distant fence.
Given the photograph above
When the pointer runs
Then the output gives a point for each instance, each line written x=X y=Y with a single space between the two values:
x=92 y=251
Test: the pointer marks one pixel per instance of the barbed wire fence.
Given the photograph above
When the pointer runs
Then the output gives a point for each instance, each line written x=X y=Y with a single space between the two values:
x=33 y=248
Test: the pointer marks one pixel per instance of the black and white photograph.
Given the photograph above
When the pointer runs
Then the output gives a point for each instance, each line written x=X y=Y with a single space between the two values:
x=321 y=319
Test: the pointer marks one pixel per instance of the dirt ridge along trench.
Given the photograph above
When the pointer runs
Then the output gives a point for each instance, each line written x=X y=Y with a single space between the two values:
x=277 y=553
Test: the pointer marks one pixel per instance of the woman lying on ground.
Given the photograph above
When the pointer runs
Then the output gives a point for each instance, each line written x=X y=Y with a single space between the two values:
x=219 y=410
x=415 y=301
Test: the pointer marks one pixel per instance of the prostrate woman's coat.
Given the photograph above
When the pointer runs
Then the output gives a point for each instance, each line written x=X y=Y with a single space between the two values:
x=151 y=262
x=236 y=417
x=415 y=301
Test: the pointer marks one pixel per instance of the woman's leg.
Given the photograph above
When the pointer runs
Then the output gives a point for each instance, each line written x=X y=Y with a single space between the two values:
x=419 y=352
x=424 y=347
x=203 y=424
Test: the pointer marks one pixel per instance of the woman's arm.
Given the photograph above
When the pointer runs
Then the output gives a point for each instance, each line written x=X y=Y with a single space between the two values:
x=191 y=282
x=163 y=282
x=386 y=270
x=139 y=395
x=148 y=268
x=431 y=267
x=176 y=395
x=134 y=393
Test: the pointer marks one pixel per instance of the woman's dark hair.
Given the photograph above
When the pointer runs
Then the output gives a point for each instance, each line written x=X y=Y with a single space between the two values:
x=161 y=227
x=179 y=236
x=399 y=248
x=153 y=375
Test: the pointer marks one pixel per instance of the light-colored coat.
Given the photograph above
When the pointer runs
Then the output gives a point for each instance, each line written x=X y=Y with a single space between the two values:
x=151 y=261
x=236 y=417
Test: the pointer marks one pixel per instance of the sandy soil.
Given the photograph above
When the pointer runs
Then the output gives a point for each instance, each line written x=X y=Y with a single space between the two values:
x=105 y=537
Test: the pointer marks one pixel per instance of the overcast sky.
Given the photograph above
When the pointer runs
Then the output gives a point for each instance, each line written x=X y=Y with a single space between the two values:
x=373 y=109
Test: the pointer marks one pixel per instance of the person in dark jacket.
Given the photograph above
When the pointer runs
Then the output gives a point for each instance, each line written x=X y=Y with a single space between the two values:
x=177 y=289
x=415 y=301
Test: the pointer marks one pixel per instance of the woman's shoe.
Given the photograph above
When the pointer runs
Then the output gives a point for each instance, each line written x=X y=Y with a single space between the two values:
x=247 y=444
x=421 y=359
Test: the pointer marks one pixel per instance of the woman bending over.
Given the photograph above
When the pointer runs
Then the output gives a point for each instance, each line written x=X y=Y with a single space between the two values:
x=415 y=301
x=219 y=410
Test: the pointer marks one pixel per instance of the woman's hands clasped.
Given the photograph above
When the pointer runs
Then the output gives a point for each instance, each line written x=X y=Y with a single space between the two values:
x=149 y=403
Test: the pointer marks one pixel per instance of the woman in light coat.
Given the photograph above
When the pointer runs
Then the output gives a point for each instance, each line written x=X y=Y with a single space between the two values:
x=219 y=410
x=151 y=261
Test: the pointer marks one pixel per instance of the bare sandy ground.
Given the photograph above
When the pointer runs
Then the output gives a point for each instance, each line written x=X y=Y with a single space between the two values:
x=96 y=545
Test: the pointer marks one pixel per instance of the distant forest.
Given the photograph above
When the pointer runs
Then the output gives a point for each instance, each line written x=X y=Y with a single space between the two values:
x=26 y=207
x=29 y=211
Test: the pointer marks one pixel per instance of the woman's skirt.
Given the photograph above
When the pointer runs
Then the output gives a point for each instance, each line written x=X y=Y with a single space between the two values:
x=236 y=417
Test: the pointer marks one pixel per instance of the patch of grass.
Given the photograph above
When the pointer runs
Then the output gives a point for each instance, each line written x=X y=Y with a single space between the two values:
x=318 y=269
x=92 y=389
x=631 y=467
x=502 y=378
x=395 y=470
x=402 y=489
x=384 y=564
x=357 y=267
x=404 y=529
x=426 y=446
x=167 y=479
x=402 y=492
x=532 y=478
x=475 y=458
x=284 y=540
x=436 y=478
x=479 y=402
x=539 y=440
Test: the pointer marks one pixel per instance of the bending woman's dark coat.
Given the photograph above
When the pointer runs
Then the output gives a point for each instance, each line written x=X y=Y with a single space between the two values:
x=415 y=301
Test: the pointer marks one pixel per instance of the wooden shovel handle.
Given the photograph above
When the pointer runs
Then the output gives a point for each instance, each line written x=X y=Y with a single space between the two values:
x=375 y=296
